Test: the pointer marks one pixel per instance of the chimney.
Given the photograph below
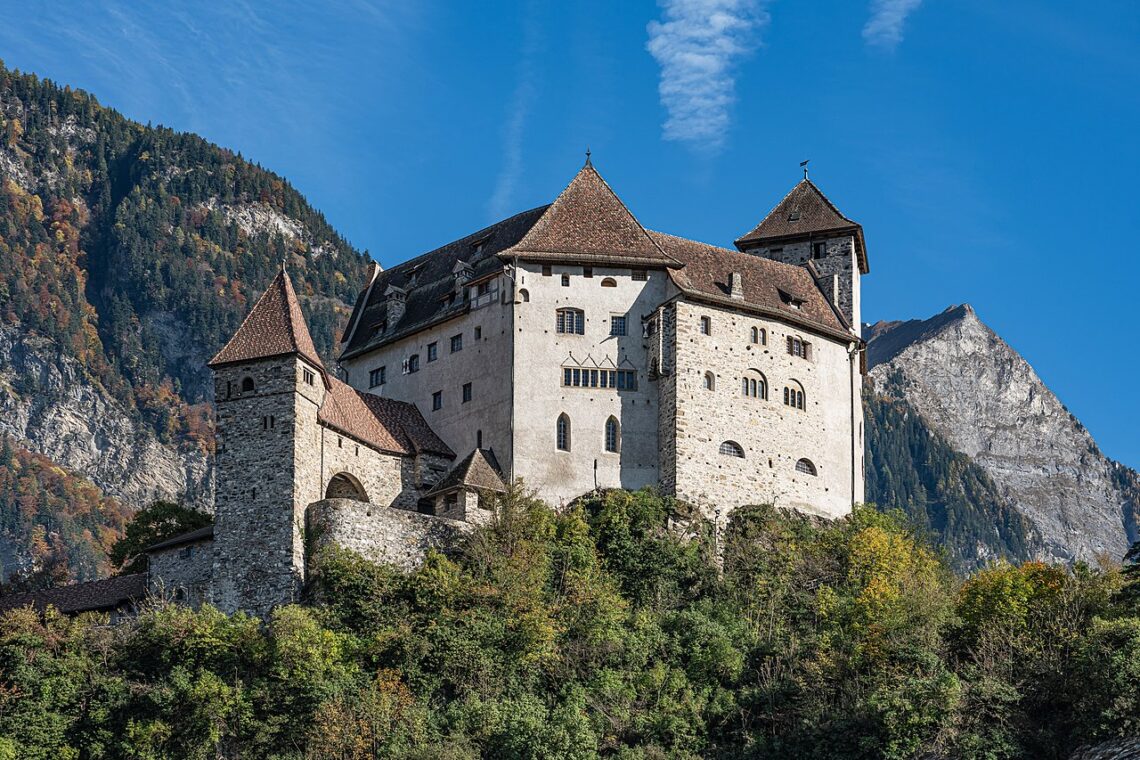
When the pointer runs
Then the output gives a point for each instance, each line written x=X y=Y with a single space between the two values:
x=737 y=289
x=396 y=301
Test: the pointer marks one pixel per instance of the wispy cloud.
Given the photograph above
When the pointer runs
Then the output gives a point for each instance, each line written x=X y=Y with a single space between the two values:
x=885 y=27
x=526 y=90
x=698 y=44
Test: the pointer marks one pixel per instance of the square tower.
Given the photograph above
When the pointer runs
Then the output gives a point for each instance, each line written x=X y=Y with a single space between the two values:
x=269 y=385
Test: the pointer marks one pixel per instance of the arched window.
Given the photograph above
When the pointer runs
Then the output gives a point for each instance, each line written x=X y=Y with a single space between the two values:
x=806 y=467
x=609 y=282
x=732 y=449
x=613 y=435
x=710 y=381
x=524 y=295
x=759 y=336
x=571 y=321
x=754 y=385
x=794 y=395
x=247 y=385
x=799 y=347
x=563 y=433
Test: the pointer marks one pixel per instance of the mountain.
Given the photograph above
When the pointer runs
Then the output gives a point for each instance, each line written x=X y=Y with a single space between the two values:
x=128 y=253
x=970 y=389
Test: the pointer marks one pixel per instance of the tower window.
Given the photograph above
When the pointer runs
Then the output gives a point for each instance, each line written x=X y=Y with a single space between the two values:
x=478 y=439
x=706 y=325
x=617 y=325
x=478 y=333
x=412 y=364
x=466 y=392
x=524 y=295
x=437 y=401
x=587 y=271
x=571 y=321
x=818 y=250
x=307 y=374
x=247 y=385
x=754 y=385
x=456 y=343
x=640 y=275
x=563 y=433
x=732 y=449
x=377 y=376
x=433 y=352
x=565 y=280
x=229 y=389
x=806 y=467
x=710 y=381
x=613 y=435
x=546 y=270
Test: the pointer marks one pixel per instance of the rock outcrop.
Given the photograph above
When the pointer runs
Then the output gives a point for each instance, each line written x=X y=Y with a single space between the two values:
x=988 y=403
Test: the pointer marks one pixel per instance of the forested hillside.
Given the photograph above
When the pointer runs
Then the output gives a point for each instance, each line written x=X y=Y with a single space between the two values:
x=603 y=632
x=128 y=254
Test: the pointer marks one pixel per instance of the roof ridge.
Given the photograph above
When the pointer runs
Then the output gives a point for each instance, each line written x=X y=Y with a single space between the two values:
x=262 y=335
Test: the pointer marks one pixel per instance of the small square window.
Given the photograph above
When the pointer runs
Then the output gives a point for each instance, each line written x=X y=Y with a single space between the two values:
x=413 y=363
x=818 y=250
x=587 y=271
x=546 y=270
x=466 y=392
x=437 y=401
x=565 y=280
x=377 y=377
x=456 y=343
x=640 y=275
x=433 y=352
x=478 y=333
x=617 y=325
x=706 y=326
x=308 y=375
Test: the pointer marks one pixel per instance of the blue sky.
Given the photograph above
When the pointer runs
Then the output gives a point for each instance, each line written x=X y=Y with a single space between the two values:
x=989 y=149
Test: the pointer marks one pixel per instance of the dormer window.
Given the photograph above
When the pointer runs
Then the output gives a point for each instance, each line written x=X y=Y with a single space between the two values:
x=794 y=216
x=480 y=244
x=790 y=300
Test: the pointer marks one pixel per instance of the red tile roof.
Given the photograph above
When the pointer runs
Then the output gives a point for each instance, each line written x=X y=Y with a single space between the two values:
x=388 y=425
x=806 y=212
x=274 y=327
x=479 y=470
x=83 y=597
x=708 y=274
x=588 y=222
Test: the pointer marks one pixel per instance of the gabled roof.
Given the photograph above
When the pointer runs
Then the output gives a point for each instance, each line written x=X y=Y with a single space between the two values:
x=83 y=597
x=589 y=223
x=429 y=281
x=388 y=425
x=708 y=274
x=479 y=469
x=805 y=212
x=189 y=537
x=274 y=327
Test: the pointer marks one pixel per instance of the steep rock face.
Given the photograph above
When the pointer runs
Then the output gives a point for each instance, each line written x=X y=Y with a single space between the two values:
x=989 y=404
x=50 y=405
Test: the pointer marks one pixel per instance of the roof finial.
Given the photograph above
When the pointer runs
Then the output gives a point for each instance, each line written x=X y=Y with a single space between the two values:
x=588 y=156
x=283 y=263
x=803 y=165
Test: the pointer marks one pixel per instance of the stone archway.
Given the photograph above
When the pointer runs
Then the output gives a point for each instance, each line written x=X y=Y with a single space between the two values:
x=345 y=486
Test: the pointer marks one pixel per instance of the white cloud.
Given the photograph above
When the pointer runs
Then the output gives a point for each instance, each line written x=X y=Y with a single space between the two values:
x=885 y=27
x=526 y=91
x=697 y=44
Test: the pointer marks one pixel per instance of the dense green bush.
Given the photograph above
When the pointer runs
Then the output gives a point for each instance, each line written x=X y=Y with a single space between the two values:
x=607 y=630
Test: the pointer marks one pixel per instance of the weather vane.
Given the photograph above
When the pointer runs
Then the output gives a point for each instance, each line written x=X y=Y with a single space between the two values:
x=803 y=165
x=588 y=156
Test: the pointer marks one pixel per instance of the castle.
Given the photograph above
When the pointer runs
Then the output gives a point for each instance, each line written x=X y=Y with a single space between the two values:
x=566 y=346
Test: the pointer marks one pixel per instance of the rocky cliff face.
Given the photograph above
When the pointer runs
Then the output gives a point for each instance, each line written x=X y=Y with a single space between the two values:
x=980 y=395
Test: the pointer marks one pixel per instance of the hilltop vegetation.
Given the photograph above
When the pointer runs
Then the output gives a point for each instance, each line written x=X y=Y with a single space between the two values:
x=601 y=632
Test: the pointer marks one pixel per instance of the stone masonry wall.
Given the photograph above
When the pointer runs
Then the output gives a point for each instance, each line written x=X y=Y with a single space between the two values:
x=182 y=572
x=774 y=436
x=381 y=534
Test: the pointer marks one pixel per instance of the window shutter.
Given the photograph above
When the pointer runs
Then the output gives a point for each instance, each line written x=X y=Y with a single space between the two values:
x=807 y=351
x=789 y=344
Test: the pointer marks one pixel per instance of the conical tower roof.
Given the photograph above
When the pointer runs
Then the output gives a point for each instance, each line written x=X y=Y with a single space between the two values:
x=274 y=327
x=805 y=212
x=588 y=222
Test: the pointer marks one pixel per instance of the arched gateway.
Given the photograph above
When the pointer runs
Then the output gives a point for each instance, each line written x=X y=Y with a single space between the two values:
x=345 y=486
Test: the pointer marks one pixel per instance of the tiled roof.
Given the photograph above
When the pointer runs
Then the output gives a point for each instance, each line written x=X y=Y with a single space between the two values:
x=190 y=537
x=386 y=424
x=588 y=222
x=479 y=469
x=275 y=326
x=805 y=211
x=708 y=273
x=429 y=281
x=82 y=597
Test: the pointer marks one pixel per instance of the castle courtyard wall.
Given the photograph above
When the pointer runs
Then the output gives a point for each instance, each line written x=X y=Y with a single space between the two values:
x=182 y=573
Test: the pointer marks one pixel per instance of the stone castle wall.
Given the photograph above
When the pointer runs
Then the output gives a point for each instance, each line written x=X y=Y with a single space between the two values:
x=381 y=534
x=838 y=269
x=182 y=573
x=774 y=436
